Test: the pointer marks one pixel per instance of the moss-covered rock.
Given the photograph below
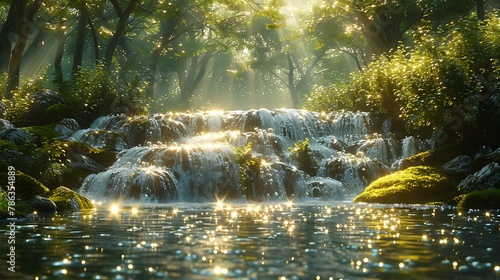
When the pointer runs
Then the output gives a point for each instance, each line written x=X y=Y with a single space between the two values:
x=486 y=199
x=68 y=200
x=419 y=184
x=58 y=112
x=440 y=155
x=22 y=209
x=44 y=131
x=26 y=186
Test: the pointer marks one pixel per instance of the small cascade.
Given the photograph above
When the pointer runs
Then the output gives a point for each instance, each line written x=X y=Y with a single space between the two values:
x=193 y=156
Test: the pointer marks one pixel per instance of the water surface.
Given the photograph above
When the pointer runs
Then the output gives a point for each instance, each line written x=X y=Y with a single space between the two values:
x=308 y=240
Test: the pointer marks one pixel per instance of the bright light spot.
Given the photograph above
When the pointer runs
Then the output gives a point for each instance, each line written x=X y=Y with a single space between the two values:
x=497 y=268
x=150 y=269
x=380 y=264
x=65 y=261
x=401 y=265
x=220 y=204
x=234 y=215
x=130 y=266
x=64 y=271
x=134 y=211
x=424 y=237
x=83 y=261
x=220 y=270
x=455 y=264
x=114 y=209
x=119 y=268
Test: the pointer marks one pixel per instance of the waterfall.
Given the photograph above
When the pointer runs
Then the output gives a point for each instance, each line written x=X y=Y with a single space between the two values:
x=193 y=156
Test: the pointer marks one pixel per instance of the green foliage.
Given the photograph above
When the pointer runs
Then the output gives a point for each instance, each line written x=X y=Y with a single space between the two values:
x=249 y=164
x=446 y=82
x=419 y=184
x=303 y=154
x=485 y=199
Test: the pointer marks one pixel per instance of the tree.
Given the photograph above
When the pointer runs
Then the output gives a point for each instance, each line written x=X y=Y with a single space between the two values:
x=23 y=18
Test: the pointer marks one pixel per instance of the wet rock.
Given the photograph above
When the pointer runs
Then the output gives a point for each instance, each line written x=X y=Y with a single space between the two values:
x=3 y=109
x=486 y=178
x=16 y=135
x=5 y=124
x=68 y=200
x=84 y=163
x=459 y=165
x=483 y=159
x=42 y=204
x=67 y=127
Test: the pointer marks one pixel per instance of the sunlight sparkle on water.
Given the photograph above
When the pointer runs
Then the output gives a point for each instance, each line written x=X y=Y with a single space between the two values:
x=114 y=209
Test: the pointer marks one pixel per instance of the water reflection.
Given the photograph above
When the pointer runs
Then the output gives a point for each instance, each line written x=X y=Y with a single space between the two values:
x=260 y=241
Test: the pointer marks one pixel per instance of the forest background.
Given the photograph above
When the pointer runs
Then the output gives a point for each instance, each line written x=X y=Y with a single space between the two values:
x=431 y=66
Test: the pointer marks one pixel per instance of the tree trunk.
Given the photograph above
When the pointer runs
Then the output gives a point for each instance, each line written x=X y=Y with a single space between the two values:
x=120 y=29
x=481 y=14
x=80 y=42
x=24 y=26
x=6 y=38
x=59 y=77
x=190 y=78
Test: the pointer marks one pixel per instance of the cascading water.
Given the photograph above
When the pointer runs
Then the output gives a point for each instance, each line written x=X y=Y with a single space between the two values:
x=193 y=156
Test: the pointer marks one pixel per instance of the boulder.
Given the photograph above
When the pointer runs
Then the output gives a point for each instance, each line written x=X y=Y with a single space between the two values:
x=68 y=200
x=483 y=159
x=484 y=200
x=459 y=165
x=85 y=163
x=486 y=178
x=42 y=204
x=26 y=186
x=3 y=109
x=5 y=124
x=40 y=102
x=16 y=135
x=418 y=184
x=67 y=127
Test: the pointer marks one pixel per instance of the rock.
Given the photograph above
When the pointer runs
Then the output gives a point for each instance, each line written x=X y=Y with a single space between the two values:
x=16 y=135
x=418 y=184
x=459 y=165
x=3 y=109
x=26 y=186
x=439 y=155
x=85 y=163
x=42 y=204
x=67 y=127
x=5 y=124
x=486 y=199
x=68 y=200
x=40 y=102
x=486 y=178
x=482 y=160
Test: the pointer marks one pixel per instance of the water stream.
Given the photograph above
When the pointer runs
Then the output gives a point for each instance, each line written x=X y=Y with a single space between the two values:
x=191 y=156
x=303 y=240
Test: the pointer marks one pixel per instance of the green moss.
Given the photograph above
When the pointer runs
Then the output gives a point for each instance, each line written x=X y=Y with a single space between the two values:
x=22 y=209
x=44 y=131
x=485 y=199
x=440 y=155
x=26 y=186
x=419 y=184
x=58 y=112
x=104 y=157
x=68 y=200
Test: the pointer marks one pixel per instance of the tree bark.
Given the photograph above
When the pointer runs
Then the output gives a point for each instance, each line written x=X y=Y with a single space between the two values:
x=120 y=28
x=481 y=14
x=6 y=39
x=80 y=42
x=59 y=77
x=24 y=26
